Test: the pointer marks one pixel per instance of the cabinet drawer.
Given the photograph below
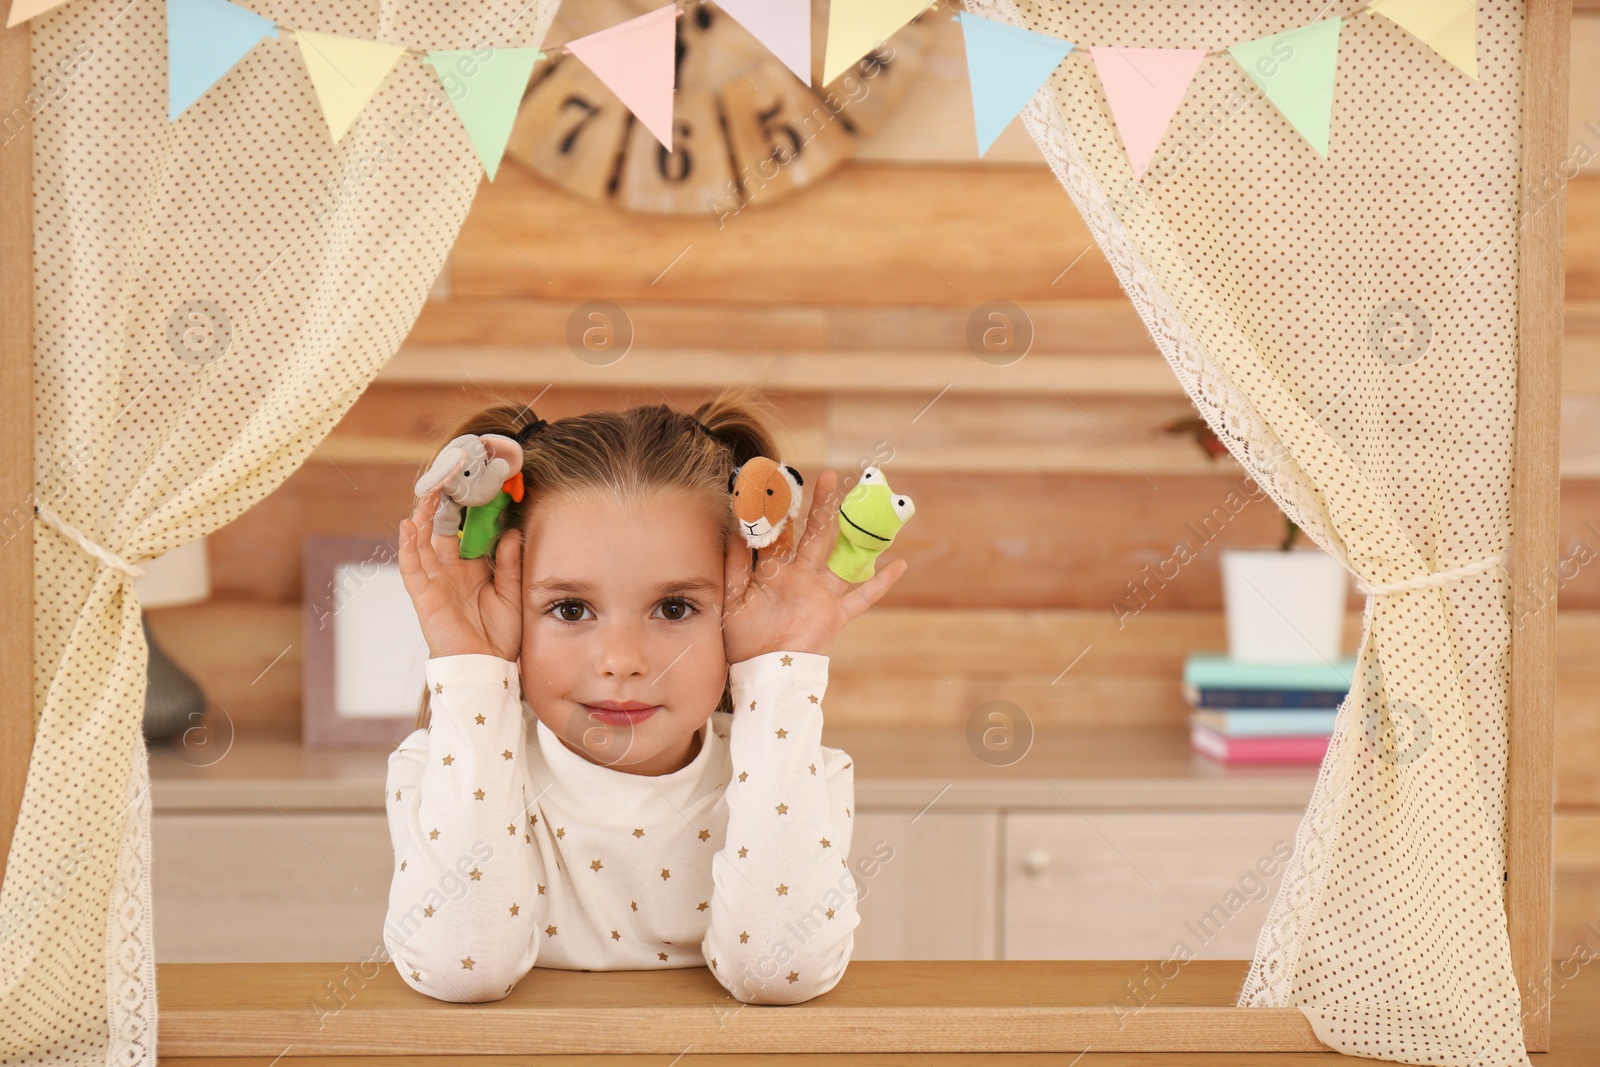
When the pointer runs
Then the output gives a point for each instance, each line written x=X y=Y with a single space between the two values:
x=290 y=887
x=1138 y=885
x=926 y=885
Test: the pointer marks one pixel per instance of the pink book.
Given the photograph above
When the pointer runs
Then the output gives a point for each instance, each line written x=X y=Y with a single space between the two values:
x=1209 y=742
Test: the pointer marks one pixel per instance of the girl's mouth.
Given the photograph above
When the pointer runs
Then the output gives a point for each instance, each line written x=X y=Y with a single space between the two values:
x=621 y=718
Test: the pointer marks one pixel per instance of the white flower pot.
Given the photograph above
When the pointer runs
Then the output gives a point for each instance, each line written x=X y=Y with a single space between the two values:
x=1284 y=607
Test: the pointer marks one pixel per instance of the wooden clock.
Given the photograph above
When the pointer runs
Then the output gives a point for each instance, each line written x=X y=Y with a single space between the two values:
x=746 y=130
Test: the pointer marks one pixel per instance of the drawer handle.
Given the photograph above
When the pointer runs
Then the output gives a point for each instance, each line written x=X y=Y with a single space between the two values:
x=1035 y=860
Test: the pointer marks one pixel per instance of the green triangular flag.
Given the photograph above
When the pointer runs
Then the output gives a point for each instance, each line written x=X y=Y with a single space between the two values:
x=1295 y=70
x=486 y=93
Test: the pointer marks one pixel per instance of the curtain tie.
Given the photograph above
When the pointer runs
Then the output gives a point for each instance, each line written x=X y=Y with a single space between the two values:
x=109 y=558
x=1435 y=577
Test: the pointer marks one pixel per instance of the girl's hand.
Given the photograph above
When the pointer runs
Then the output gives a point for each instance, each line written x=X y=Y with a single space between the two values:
x=799 y=606
x=462 y=611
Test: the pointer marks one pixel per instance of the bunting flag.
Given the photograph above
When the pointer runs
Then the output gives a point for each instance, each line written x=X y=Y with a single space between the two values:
x=1144 y=87
x=486 y=93
x=638 y=60
x=1006 y=64
x=345 y=72
x=1449 y=27
x=856 y=27
x=205 y=38
x=23 y=10
x=1295 y=71
x=783 y=26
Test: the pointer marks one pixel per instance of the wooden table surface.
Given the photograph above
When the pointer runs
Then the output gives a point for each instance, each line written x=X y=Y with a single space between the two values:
x=360 y=1016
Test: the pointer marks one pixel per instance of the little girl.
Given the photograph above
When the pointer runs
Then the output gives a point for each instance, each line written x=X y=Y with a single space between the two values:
x=618 y=760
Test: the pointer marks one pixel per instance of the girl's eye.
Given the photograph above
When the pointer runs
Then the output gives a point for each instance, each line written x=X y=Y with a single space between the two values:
x=685 y=609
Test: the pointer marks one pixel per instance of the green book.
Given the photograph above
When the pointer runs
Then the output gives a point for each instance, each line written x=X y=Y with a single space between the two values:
x=1216 y=670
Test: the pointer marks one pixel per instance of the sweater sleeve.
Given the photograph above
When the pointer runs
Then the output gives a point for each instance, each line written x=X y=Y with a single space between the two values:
x=460 y=922
x=783 y=908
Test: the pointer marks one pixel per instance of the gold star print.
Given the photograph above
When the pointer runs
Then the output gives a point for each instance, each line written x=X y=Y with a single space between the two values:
x=702 y=906
x=466 y=964
x=813 y=768
x=705 y=835
x=752 y=705
x=438 y=687
x=782 y=732
x=743 y=937
x=541 y=889
x=515 y=908
x=743 y=775
x=505 y=683
x=638 y=833
x=397 y=794
x=852 y=763
x=811 y=697
x=847 y=810
x=615 y=936
x=479 y=719
x=713 y=962
x=634 y=904
x=561 y=831
x=549 y=931
x=742 y=851
x=511 y=828
x=786 y=660
x=477 y=875
x=794 y=976
x=506 y=754
x=526 y=838
x=403 y=864
x=830 y=913
x=428 y=911
x=596 y=865
x=783 y=809
x=825 y=843
x=478 y=793
x=433 y=835
x=783 y=890
x=665 y=874
x=533 y=820
x=449 y=760
x=416 y=976
x=661 y=955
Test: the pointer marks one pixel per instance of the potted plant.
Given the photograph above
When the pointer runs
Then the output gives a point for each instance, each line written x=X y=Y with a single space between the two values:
x=1282 y=605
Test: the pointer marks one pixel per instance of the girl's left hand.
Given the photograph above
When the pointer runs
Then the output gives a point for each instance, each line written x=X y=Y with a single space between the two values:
x=799 y=606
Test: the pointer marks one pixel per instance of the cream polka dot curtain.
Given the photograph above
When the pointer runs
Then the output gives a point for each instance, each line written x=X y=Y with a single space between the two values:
x=1347 y=326
x=211 y=297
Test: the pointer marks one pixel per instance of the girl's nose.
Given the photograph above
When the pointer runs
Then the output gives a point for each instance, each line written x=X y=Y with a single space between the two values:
x=622 y=651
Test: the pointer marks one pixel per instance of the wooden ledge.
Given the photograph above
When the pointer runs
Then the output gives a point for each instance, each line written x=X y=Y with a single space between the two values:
x=910 y=1006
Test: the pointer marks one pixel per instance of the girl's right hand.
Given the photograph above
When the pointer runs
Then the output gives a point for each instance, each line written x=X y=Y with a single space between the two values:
x=461 y=609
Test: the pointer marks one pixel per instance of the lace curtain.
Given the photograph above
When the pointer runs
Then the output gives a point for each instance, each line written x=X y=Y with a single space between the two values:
x=1347 y=327
x=210 y=298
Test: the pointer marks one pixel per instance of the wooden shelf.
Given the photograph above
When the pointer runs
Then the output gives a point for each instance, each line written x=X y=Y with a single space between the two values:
x=895 y=769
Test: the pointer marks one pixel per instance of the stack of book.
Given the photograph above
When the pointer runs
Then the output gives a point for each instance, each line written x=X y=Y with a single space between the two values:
x=1263 y=712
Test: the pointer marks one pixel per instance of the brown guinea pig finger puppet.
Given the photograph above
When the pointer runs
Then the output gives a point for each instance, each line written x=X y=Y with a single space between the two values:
x=766 y=501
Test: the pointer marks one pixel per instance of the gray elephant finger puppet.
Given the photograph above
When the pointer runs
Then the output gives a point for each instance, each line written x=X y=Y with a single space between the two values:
x=479 y=475
x=869 y=517
x=766 y=501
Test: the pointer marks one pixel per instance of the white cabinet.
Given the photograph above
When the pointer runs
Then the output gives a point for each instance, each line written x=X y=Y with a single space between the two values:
x=1137 y=885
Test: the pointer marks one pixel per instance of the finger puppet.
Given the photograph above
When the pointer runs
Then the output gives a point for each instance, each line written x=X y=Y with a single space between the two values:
x=479 y=475
x=766 y=500
x=869 y=517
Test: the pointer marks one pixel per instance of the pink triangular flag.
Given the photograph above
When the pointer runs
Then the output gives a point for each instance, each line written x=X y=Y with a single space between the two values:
x=23 y=10
x=637 y=60
x=784 y=26
x=1144 y=87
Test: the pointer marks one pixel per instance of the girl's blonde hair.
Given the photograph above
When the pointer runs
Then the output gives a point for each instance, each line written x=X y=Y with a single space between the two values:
x=631 y=454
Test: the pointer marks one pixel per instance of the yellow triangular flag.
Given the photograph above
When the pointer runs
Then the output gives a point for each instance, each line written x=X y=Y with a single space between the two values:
x=345 y=71
x=23 y=10
x=856 y=27
x=1449 y=27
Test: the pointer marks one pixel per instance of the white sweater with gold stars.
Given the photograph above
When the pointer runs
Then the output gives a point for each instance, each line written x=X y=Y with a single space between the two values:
x=512 y=851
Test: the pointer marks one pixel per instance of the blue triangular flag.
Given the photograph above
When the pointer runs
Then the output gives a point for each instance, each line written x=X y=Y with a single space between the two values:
x=1006 y=64
x=205 y=38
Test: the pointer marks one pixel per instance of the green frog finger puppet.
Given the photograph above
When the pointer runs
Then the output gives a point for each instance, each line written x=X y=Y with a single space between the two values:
x=869 y=517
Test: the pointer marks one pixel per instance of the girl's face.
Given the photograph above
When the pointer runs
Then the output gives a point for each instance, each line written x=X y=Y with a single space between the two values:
x=623 y=605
